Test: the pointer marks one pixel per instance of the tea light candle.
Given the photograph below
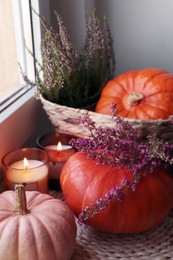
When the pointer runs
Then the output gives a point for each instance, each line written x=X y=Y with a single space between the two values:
x=57 y=146
x=33 y=173
x=59 y=152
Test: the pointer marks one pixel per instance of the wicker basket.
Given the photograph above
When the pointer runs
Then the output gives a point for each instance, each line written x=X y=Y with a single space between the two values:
x=66 y=120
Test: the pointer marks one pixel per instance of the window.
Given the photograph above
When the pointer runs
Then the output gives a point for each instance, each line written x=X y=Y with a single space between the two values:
x=16 y=30
x=8 y=54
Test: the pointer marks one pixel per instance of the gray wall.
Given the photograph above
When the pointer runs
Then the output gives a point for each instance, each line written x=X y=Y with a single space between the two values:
x=142 y=29
x=143 y=32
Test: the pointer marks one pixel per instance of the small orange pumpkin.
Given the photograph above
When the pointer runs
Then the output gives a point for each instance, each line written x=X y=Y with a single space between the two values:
x=45 y=230
x=140 y=94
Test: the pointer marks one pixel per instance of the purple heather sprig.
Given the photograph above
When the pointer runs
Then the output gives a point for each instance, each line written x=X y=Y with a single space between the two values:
x=69 y=75
x=118 y=192
x=121 y=146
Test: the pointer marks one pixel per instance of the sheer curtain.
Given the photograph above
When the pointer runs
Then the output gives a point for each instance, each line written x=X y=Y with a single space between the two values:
x=142 y=29
x=8 y=53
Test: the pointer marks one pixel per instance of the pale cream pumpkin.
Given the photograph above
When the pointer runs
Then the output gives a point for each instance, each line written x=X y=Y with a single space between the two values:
x=44 y=229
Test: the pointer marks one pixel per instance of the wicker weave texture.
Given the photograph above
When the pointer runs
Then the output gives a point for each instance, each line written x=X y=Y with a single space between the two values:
x=66 y=120
x=156 y=244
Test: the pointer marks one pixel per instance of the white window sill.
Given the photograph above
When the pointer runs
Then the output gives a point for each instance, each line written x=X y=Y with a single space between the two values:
x=15 y=103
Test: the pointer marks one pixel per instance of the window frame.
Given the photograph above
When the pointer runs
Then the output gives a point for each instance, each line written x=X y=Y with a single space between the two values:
x=28 y=32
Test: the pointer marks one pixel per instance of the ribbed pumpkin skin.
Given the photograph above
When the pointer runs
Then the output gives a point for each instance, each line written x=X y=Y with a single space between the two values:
x=82 y=181
x=154 y=84
x=47 y=232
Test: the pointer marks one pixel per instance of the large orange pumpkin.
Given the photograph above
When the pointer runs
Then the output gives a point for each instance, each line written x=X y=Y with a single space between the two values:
x=44 y=229
x=139 y=94
x=84 y=181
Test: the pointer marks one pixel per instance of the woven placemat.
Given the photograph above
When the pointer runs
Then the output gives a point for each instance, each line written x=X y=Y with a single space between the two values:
x=156 y=244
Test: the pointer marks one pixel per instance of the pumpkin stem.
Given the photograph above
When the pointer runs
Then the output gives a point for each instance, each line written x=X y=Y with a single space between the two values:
x=135 y=98
x=21 y=205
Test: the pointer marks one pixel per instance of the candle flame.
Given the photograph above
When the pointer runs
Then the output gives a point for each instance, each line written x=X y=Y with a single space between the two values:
x=25 y=163
x=59 y=146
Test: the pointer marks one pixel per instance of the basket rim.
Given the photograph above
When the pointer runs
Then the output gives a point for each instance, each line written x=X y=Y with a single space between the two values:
x=157 y=122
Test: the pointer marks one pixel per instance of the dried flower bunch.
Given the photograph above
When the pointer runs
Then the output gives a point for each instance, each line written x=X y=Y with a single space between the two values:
x=73 y=77
x=122 y=146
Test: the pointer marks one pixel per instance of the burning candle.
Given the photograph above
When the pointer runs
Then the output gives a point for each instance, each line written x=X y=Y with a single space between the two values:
x=32 y=170
x=59 y=150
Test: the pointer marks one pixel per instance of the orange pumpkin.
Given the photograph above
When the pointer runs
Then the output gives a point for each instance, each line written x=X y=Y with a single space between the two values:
x=139 y=94
x=44 y=229
x=84 y=181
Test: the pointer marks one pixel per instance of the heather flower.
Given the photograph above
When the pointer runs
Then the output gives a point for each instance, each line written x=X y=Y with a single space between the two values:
x=70 y=76
x=125 y=147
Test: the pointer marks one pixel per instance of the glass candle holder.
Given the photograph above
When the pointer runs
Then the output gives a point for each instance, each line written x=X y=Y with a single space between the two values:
x=57 y=146
x=27 y=166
